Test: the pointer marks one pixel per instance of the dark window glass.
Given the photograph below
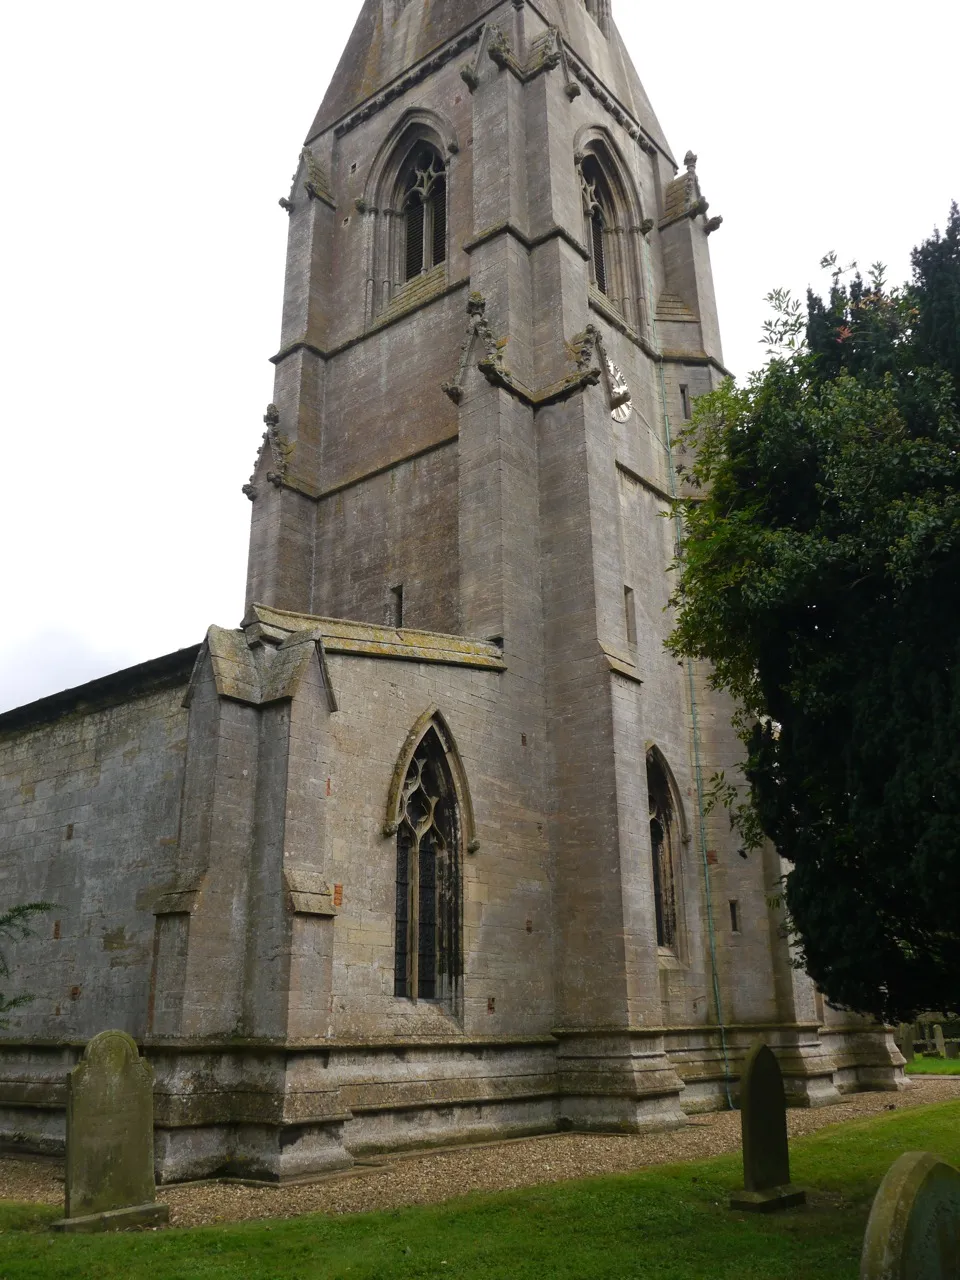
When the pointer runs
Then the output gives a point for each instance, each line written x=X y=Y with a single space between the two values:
x=664 y=842
x=415 y=221
x=427 y=932
x=401 y=975
x=428 y=962
x=439 y=207
x=598 y=205
x=599 y=260
x=424 y=188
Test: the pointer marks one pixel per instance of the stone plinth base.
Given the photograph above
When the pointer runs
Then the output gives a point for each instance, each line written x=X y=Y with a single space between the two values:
x=770 y=1201
x=141 y=1215
x=279 y=1112
x=866 y=1058
x=710 y=1063
x=613 y=1081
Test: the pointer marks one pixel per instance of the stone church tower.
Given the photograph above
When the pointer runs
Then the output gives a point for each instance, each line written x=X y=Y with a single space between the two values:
x=419 y=852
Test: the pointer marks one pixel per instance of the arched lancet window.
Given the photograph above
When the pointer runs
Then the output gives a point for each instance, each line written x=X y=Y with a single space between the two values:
x=665 y=848
x=612 y=231
x=407 y=209
x=428 y=959
x=598 y=208
x=423 y=192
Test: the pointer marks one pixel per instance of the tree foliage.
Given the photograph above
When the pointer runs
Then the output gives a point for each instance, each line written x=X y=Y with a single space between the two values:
x=15 y=925
x=820 y=576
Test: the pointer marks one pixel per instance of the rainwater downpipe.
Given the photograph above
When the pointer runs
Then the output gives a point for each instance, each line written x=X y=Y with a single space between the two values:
x=691 y=682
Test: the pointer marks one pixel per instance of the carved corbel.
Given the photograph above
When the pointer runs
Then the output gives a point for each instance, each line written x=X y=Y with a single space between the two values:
x=498 y=48
x=470 y=71
x=280 y=450
x=546 y=53
x=581 y=348
x=491 y=362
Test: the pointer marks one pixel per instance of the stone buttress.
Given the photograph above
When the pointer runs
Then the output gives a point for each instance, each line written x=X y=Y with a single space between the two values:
x=436 y=865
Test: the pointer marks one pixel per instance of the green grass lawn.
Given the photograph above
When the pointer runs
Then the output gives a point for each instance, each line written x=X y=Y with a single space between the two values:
x=933 y=1067
x=666 y=1223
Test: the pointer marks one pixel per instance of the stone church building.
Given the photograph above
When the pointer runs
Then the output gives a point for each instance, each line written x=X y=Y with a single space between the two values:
x=417 y=853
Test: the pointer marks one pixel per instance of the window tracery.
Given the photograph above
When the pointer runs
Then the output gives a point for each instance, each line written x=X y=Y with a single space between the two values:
x=424 y=207
x=597 y=206
x=612 y=232
x=407 y=200
x=428 y=947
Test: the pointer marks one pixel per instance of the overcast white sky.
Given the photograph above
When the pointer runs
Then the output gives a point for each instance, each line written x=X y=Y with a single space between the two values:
x=141 y=262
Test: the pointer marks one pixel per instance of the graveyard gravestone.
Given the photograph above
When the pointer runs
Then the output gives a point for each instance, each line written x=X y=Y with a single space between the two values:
x=953 y=1048
x=766 y=1153
x=110 y=1180
x=939 y=1041
x=905 y=1041
x=914 y=1227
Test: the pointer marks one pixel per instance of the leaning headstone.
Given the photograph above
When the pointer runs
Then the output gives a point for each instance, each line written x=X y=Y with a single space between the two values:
x=110 y=1181
x=914 y=1227
x=905 y=1040
x=766 y=1153
x=939 y=1041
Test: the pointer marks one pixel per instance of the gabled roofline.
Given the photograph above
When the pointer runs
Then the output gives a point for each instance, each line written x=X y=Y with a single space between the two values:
x=168 y=672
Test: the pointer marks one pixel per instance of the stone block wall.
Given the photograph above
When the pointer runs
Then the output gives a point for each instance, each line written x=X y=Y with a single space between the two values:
x=89 y=818
x=507 y=987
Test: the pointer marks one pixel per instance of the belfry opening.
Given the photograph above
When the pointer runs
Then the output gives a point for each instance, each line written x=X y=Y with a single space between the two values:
x=416 y=852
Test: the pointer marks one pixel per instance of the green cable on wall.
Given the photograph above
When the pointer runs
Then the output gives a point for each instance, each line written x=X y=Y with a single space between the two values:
x=694 y=710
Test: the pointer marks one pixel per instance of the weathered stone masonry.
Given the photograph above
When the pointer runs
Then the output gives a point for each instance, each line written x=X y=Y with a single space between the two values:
x=380 y=867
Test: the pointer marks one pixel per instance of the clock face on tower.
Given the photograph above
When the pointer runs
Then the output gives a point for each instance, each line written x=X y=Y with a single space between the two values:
x=620 y=399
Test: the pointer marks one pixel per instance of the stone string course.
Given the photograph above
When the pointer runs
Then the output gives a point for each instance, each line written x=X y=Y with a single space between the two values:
x=218 y=841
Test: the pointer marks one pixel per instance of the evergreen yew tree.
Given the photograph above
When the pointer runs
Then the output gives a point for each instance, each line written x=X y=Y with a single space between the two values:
x=820 y=576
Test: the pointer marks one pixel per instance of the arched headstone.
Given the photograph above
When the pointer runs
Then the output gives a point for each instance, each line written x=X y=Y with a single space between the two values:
x=763 y=1122
x=110 y=1180
x=905 y=1036
x=914 y=1227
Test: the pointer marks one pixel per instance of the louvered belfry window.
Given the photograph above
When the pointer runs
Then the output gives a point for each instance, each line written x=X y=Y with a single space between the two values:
x=664 y=841
x=599 y=258
x=424 y=212
x=598 y=208
x=428 y=954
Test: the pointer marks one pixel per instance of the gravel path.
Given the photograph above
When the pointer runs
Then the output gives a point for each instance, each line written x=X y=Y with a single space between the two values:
x=428 y=1178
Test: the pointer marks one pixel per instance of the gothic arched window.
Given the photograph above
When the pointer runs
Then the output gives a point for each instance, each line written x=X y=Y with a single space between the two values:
x=598 y=208
x=428 y=956
x=612 y=231
x=665 y=848
x=423 y=189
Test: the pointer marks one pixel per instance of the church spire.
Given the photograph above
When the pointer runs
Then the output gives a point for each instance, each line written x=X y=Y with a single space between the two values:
x=391 y=36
